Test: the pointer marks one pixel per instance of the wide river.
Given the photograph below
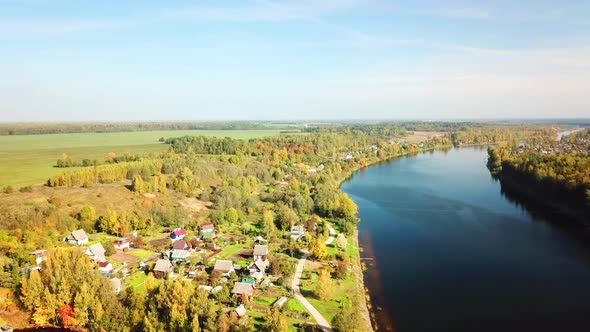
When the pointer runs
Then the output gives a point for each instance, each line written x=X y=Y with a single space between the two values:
x=448 y=251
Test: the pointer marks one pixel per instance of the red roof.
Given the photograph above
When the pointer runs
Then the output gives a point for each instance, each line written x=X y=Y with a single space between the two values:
x=207 y=226
x=125 y=240
x=179 y=232
x=103 y=264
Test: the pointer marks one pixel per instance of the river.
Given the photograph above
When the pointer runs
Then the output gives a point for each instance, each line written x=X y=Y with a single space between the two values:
x=448 y=251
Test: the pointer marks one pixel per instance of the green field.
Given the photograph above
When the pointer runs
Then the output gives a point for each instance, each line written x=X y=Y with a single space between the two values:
x=29 y=159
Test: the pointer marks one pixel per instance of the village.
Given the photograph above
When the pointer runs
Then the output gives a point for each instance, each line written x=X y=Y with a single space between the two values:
x=234 y=267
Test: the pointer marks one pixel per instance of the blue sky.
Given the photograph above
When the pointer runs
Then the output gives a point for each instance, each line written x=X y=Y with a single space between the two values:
x=331 y=59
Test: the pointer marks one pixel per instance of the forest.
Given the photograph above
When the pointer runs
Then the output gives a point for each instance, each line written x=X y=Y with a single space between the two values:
x=550 y=168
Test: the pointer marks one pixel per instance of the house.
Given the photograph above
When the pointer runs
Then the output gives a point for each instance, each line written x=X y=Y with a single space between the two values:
x=297 y=232
x=208 y=237
x=259 y=240
x=205 y=287
x=521 y=144
x=116 y=282
x=216 y=290
x=180 y=245
x=241 y=310
x=260 y=252
x=226 y=267
x=248 y=280
x=243 y=288
x=179 y=255
x=348 y=156
x=178 y=234
x=281 y=302
x=121 y=244
x=6 y=328
x=105 y=267
x=258 y=269
x=162 y=268
x=78 y=237
x=40 y=255
x=96 y=252
x=207 y=228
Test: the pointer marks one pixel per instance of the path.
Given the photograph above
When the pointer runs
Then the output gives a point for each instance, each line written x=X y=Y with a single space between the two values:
x=332 y=234
x=322 y=322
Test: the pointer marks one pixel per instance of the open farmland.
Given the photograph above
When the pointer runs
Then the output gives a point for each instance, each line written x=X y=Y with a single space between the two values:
x=30 y=159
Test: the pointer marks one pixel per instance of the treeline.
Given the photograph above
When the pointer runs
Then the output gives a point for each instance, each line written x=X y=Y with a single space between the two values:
x=509 y=134
x=106 y=173
x=67 y=161
x=111 y=127
x=565 y=173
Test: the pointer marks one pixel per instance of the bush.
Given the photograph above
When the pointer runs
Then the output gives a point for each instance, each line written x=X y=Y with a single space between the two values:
x=26 y=189
x=8 y=189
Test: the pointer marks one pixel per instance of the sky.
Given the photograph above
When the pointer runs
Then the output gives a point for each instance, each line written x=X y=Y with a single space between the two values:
x=293 y=60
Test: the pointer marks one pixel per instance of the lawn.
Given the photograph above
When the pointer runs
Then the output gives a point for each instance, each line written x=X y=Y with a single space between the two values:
x=137 y=280
x=141 y=253
x=29 y=159
x=230 y=250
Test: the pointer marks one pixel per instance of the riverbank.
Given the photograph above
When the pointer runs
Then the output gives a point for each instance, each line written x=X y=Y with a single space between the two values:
x=534 y=198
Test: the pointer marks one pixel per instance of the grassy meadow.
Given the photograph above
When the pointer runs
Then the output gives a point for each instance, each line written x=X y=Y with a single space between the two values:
x=30 y=159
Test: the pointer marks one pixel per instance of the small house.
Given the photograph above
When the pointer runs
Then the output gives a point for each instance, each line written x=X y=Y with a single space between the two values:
x=260 y=240
x=116 y=282
x=180 y=245
x=241 y=310
x=105 y=267
x=178 y=234
x=216 y=290
x=248 y=281
x=207 y=228
x=225 y=267
x=179 y=255
x=40 y=256
x=297 y=232
x=96 y=252
x=205 y=288
x=260 y=252
x=243 y=288
x=78 y=237
x=162 y=268
x=280 y=302
x=121 y=244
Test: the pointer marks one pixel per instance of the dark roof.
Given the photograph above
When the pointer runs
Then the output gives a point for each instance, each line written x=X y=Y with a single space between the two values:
x=180 y=244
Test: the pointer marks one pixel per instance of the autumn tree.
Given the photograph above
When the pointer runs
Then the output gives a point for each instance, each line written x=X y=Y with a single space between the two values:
x=324 y=288
x=276 y=321
x=318 y=249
